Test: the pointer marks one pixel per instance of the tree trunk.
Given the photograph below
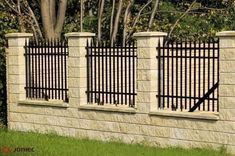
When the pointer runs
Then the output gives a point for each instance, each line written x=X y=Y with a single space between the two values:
x=21 y=23
x=100 y=12
x=46 y=19
x=81 y=15
x=125 y=22
x=153 y=15
x=111 y=19
x=60 y=18
x=116 y=23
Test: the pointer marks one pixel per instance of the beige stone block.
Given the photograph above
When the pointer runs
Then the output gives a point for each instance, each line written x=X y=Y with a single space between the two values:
x=74 y=92
x=227 y=114
x=227 y=54
x=16 y=79
x=227 y=90
x=231 y=139
x=14 y=70
x=13 y=51
x=73 y=72
x=13 y=97
x=13 y=89
x=196 y=135
x=147 y=86
x=227 y=78
x=73 y=62
x=13 y=60
x=73 y=82
x=83 y=72
x=227 y=102
x=77 y=41
x=227 y=66
x=146 y=53
x=73 y=102
x=147 y=75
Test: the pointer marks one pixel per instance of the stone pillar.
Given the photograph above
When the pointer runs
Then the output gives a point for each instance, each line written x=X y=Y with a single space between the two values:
x=77 y=67
x=15 y=66
x=227 y=75
x=147 y=69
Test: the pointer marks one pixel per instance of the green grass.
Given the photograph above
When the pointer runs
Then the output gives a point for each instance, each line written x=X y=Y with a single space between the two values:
x=53 y=145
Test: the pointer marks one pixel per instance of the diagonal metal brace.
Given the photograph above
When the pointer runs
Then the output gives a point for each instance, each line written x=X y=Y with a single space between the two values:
x=201 y=100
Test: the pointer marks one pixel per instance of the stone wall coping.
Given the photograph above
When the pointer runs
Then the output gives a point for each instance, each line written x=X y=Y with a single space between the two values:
x=112 y=108
x=226 y=34
x=50 y=103
x=191 y=115
x=79 y=34
x=150 y=34
x=18 y=35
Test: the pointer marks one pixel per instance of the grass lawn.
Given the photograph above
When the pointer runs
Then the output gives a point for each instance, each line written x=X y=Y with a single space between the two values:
x=53 y=145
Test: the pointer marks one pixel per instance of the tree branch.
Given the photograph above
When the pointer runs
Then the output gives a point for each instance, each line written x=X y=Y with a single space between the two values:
x=182 y=16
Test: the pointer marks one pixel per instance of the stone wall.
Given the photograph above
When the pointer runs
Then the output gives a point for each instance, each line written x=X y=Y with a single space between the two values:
x=143 y=124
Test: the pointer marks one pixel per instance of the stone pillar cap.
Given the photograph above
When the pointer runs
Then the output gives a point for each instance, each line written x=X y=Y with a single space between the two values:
x=150 y=34
x=225 y=33
x=18 y=35
x=79 y=34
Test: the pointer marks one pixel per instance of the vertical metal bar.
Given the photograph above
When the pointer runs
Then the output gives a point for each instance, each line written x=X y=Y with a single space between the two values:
x=33 y=69
x=42 y=68
x=88 y=71
x=59 y=70
x=90 y=56
x=168 y=76
x=55 y=66
x=122 y=74
x=27 y=70
x=209 y=73
x=110 y=73
x=46 y=69
x=99 y=61
x=106 y=71
x=125 y=74
x=52 y=68
x=177 y=66
x=49 y=68
x=194 y=71
x=163 y=76
x=190 y=74
x=102 y=45
x=114 y=76
x=63 y=72
x=118 y=70
x=172 y=72
x=186 y=74
x=181 y=75
x=213 y=75
x=36 y=68
x=39 y=69
x=218 y=68
x=95 y=71
x=129 y=66
x=204 y=71
x=199 y=73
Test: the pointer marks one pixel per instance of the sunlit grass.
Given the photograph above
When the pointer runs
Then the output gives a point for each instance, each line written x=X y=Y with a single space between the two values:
x=53 y=145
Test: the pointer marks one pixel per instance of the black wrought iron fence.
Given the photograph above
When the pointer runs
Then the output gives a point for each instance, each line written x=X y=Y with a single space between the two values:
x=188 y=75
x=46 y=70
x=111 y=74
